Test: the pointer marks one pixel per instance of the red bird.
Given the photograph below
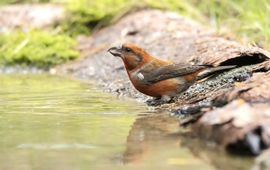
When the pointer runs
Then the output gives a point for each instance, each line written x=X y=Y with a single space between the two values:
x=160 y=78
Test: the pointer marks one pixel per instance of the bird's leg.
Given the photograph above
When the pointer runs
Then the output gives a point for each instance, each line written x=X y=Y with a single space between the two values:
x=152 y=101
x=159 y=101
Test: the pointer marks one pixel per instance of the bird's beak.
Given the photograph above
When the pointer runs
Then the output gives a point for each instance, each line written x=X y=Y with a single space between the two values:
x=115 y=51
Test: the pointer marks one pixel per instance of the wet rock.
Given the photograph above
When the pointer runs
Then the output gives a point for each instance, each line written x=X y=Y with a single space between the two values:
x=27 y=16
x=238 y=126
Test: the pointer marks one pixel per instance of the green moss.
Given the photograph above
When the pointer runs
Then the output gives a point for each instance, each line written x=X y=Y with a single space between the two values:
x=37 y=48
x=85 y=15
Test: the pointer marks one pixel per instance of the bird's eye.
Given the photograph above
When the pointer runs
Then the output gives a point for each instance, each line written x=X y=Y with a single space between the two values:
x=128 y=49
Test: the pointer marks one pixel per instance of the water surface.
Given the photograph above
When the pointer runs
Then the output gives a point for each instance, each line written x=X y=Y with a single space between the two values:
x=49 y=122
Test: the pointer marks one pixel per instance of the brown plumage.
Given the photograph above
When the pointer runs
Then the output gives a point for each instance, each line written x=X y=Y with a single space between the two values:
x=159 y=78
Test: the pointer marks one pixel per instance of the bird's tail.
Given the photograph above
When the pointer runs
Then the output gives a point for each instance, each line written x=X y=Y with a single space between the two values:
x=213 y=70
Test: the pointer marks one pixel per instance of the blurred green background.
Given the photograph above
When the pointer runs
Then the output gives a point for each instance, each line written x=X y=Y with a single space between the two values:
x=247 y=21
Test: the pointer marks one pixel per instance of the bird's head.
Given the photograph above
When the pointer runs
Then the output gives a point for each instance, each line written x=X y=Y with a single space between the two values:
x=132 y=55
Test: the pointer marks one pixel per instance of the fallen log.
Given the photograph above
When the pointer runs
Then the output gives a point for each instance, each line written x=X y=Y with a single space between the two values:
x=231 y=108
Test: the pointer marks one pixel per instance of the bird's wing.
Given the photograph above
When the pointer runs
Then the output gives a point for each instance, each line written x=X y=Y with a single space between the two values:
x=171 y=71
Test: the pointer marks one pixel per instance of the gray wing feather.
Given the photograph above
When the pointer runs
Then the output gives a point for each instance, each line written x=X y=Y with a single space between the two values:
x=171 y=71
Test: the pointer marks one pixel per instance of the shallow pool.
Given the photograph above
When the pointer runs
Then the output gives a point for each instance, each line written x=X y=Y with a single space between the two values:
x=49 y=122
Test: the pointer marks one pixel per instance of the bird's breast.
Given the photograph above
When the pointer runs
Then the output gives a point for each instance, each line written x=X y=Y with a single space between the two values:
x=169 y=87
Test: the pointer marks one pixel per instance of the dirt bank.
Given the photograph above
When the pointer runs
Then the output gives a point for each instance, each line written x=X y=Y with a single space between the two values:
x=232 y=109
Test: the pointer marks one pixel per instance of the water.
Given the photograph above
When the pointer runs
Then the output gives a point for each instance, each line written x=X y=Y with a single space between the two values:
x=56 y=123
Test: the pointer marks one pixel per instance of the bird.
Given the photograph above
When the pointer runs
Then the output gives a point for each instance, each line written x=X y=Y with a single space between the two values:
x=161 y=79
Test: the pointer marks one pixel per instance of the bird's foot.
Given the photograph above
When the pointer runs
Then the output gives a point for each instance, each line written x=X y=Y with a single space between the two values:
x=159 y=101
x=154 y=102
